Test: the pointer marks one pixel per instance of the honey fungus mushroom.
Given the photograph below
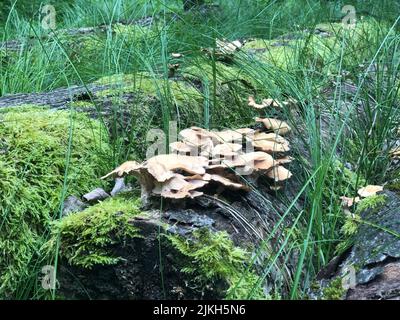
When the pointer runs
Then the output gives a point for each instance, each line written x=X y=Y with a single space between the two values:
x=198 y=139
x=179 y=147
x=278 y=126
x=279 y=174
x=369 y=191
x=207 y=158
x=265 y=103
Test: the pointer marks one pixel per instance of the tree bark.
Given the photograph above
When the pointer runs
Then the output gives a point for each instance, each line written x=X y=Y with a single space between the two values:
x=372 y=265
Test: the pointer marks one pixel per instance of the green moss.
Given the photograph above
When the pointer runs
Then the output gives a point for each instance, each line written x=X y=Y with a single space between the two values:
x=143 y=82
x=334 y=291
x=350 y=227
x=86 y=236
x=82 y=104
x=212 y=256
x=182 y=100
x=372 y=204
x=34 y=166
x=319 y=51
x=394 y=185
x=273 y=52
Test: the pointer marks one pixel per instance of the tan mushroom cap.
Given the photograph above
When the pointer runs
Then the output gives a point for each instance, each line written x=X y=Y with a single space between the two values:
x=284 y=160
x=270 y=146
x=125 y=169
x=228 y=47
x=177 y=187
x=161 y=167
x=271 y=103
x=207 y=148
x=227 y=136
x=276 y=125
x=265 y=103
x=256 y=160
x=245 y=131
x=194 y=137
x=227 y=182
x=226 y=149
x=202 y=132
x=369 y=190
x=279 y=173
x=349 y=202
x=180 y=147
x=252 y=103
x=258 y=136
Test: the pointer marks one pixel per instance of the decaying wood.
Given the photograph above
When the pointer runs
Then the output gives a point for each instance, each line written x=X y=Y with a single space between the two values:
x=374 y=256
x=57 y=99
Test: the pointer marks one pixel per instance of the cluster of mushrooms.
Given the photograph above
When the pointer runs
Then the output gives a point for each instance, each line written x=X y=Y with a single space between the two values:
x=214 y=158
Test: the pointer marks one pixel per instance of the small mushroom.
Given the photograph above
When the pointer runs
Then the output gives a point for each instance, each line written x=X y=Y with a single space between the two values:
x=254 y=160
x=395 y=153
x=226 y=150
x=245 y=131
x=276 y=125
x=258 y=136
x=252 y=103
x=227 y=47
x=177 y=187
x=279 y=174
x=228 y=183
x=195 y=137
x=125 y=169
x=369 y=191
x=227 y=136
x=176 y=55
x=180 y=148
x=271 y=103
x=162 y=167
x=265 y=103
x=349 y=202
x=275 y=188
x=270 y=146
x=284 y=160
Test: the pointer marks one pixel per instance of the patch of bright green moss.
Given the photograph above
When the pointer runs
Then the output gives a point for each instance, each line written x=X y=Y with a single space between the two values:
x=274 y=52
x=36 y=168
x=212 y=256
x=350 y=226
x=86 y=236
x=373 y=204
x=334 y=291
x=82 y=104
x=128 y=83
x=319 y=50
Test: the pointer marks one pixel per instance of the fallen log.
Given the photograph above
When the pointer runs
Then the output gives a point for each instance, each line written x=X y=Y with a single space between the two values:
x=370 y=269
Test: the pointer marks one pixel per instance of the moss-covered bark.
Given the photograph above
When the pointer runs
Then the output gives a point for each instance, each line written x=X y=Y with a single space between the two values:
x=44 y=155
